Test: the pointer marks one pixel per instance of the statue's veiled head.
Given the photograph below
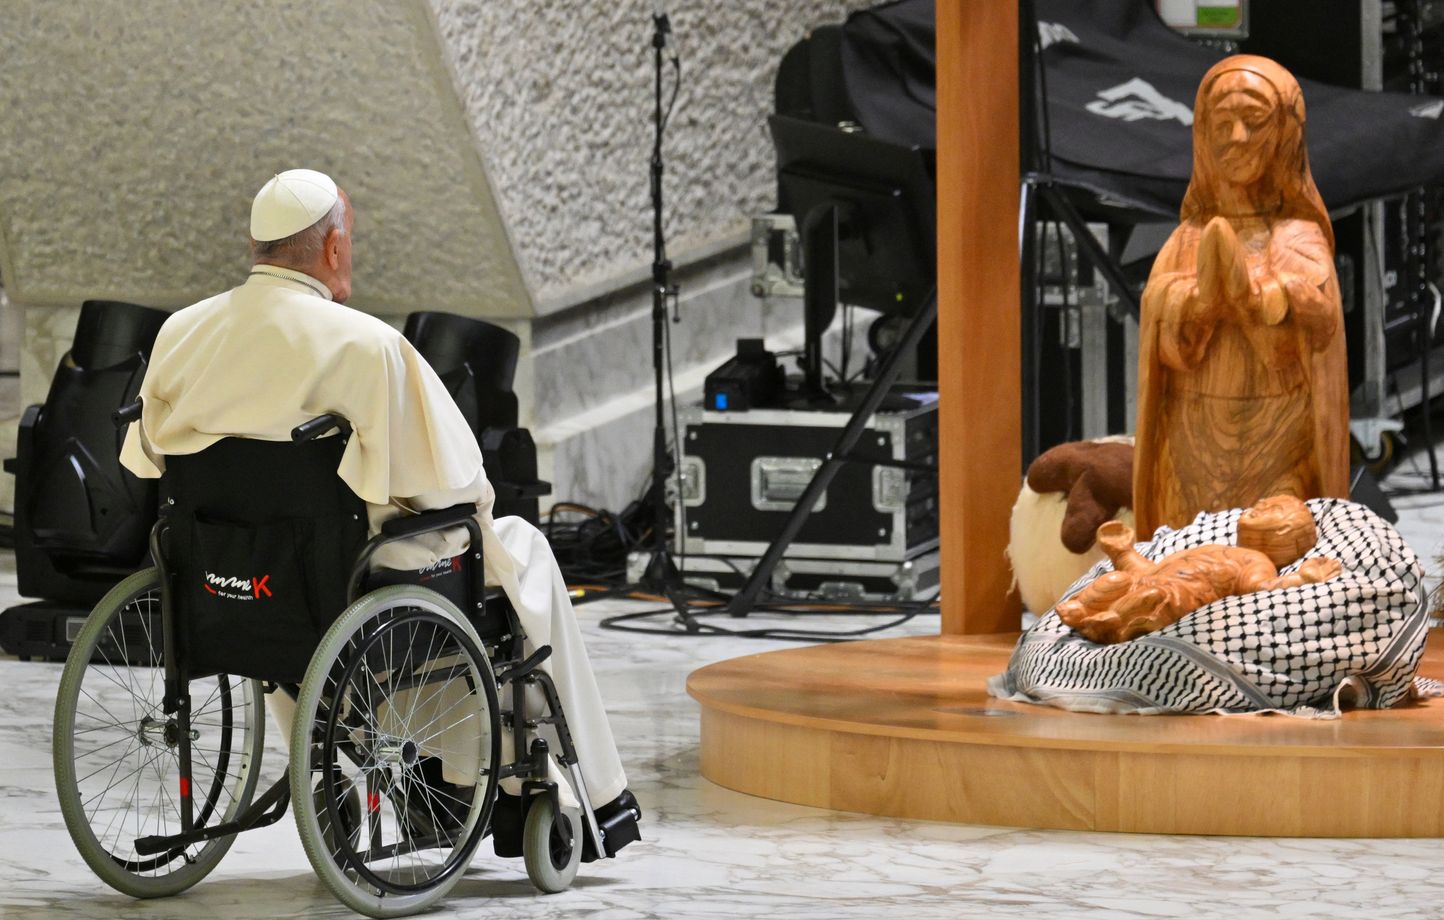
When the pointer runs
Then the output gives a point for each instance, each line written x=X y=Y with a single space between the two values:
x=1243 y=126
x=1248 y=143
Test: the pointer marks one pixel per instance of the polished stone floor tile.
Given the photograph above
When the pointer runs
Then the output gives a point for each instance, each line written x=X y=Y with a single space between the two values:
x=711 y=853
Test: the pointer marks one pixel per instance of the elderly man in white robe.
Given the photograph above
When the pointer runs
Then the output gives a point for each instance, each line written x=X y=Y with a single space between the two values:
x=280 y=349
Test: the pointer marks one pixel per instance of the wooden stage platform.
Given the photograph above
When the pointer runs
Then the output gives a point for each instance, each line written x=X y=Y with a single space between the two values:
x=904 y=727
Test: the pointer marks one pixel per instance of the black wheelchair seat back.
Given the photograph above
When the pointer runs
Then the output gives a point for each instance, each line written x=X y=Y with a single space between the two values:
x=259 y=542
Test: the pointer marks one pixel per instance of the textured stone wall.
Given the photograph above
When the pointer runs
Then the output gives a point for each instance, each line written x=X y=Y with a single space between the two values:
x=496 y=150
x=138 y=132
x=561 y=96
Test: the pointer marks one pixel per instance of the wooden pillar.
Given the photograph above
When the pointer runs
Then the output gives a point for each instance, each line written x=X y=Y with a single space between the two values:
x=978 y=309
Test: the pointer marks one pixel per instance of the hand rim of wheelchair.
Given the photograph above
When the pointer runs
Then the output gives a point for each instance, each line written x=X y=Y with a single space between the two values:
x=361 y=893
x=122 y=873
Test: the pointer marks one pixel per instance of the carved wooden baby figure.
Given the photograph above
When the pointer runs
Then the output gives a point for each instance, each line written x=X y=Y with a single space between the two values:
x=1140 y=597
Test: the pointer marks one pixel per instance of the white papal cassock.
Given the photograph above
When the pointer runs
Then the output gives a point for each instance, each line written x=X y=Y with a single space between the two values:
x=266 y=356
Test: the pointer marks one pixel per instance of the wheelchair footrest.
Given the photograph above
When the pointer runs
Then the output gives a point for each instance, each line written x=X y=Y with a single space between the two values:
x=263 y=812
x=618 y=822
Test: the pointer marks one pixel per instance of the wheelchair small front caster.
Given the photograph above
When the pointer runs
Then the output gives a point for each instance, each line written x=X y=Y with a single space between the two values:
x=552 y=845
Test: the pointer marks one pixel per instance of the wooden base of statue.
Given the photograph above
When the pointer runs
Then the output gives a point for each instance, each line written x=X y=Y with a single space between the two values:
x=905 y=728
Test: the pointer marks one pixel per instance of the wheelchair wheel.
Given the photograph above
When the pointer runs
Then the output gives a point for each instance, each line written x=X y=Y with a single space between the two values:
x=399 y=706
x=347 y=805
x=115 y=750
x=552 y=845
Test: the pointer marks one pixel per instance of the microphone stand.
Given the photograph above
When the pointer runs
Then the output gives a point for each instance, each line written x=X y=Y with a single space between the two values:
x=661 y=574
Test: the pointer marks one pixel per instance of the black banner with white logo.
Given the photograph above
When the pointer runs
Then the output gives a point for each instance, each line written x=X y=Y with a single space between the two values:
x=1120 y=91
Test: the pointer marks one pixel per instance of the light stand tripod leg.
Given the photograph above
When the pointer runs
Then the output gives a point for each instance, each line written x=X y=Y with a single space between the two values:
x=745 y=599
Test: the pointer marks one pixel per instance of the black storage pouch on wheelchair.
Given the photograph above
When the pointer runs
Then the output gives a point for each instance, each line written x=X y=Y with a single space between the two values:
x=249 y=607
x=262 y=536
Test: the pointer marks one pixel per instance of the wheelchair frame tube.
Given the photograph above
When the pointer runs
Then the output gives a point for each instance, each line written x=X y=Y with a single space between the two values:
x=569 y=752
x=177 y=698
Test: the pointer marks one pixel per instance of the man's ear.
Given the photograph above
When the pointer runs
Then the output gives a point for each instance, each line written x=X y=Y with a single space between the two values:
x=331 y=248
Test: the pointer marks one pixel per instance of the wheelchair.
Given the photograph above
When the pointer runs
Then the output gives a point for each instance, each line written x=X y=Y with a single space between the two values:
x=401 y=701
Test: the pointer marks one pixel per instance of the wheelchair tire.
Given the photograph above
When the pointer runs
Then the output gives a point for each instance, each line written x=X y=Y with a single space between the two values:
x=115 y=758
x=552 y=845
x=399 y=681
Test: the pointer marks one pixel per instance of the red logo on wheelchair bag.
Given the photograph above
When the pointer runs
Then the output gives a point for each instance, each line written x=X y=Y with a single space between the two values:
x=438 y=568
x=237 y=588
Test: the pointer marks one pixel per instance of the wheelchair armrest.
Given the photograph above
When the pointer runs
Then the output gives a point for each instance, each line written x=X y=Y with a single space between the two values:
x=309 y=431
x=413 y=524
x=462 y=515
x=536 y=488
x=127 y=413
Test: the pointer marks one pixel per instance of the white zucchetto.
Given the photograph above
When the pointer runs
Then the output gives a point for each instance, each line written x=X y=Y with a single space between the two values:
x=291 y=202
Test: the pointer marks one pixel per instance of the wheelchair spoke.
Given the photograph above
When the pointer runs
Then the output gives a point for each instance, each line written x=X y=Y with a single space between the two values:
x=135 y=744
x=108 y=675
x=416 y=697
x=103 y=726
x=444 y=729
x=101 y=706
x=109 y=744
x=112 y=782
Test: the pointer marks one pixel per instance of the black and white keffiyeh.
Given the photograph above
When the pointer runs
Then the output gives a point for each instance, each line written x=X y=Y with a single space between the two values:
x=1289 y=650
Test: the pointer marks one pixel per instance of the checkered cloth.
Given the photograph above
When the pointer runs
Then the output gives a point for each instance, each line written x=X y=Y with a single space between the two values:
x=1292 y=650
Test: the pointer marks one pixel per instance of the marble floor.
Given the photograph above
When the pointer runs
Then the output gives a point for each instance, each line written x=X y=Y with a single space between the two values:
x=712 y=853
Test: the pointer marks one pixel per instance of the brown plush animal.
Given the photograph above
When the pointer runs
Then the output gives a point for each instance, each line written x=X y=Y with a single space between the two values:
x=1139 y=596
x=1098 y=477
x=1067 y=493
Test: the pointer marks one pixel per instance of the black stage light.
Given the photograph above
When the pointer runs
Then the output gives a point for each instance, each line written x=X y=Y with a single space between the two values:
x=81 y=519
x=476 y=360
x=866 y=213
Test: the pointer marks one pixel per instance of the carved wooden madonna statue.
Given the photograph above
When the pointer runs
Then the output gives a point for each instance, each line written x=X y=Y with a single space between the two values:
x=1243 y=380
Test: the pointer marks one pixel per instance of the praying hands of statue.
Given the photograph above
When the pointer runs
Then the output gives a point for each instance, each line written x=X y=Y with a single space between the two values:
x=1227 y=288
x=1139 y=597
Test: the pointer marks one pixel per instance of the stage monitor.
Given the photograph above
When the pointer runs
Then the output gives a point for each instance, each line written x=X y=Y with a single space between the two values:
x=866 y=214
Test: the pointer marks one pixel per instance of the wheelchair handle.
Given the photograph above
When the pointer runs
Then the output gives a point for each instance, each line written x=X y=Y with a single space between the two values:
x=309 y=431
x=126 y=414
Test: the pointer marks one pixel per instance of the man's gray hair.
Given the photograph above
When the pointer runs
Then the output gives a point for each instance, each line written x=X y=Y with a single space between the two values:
x=303 y=247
